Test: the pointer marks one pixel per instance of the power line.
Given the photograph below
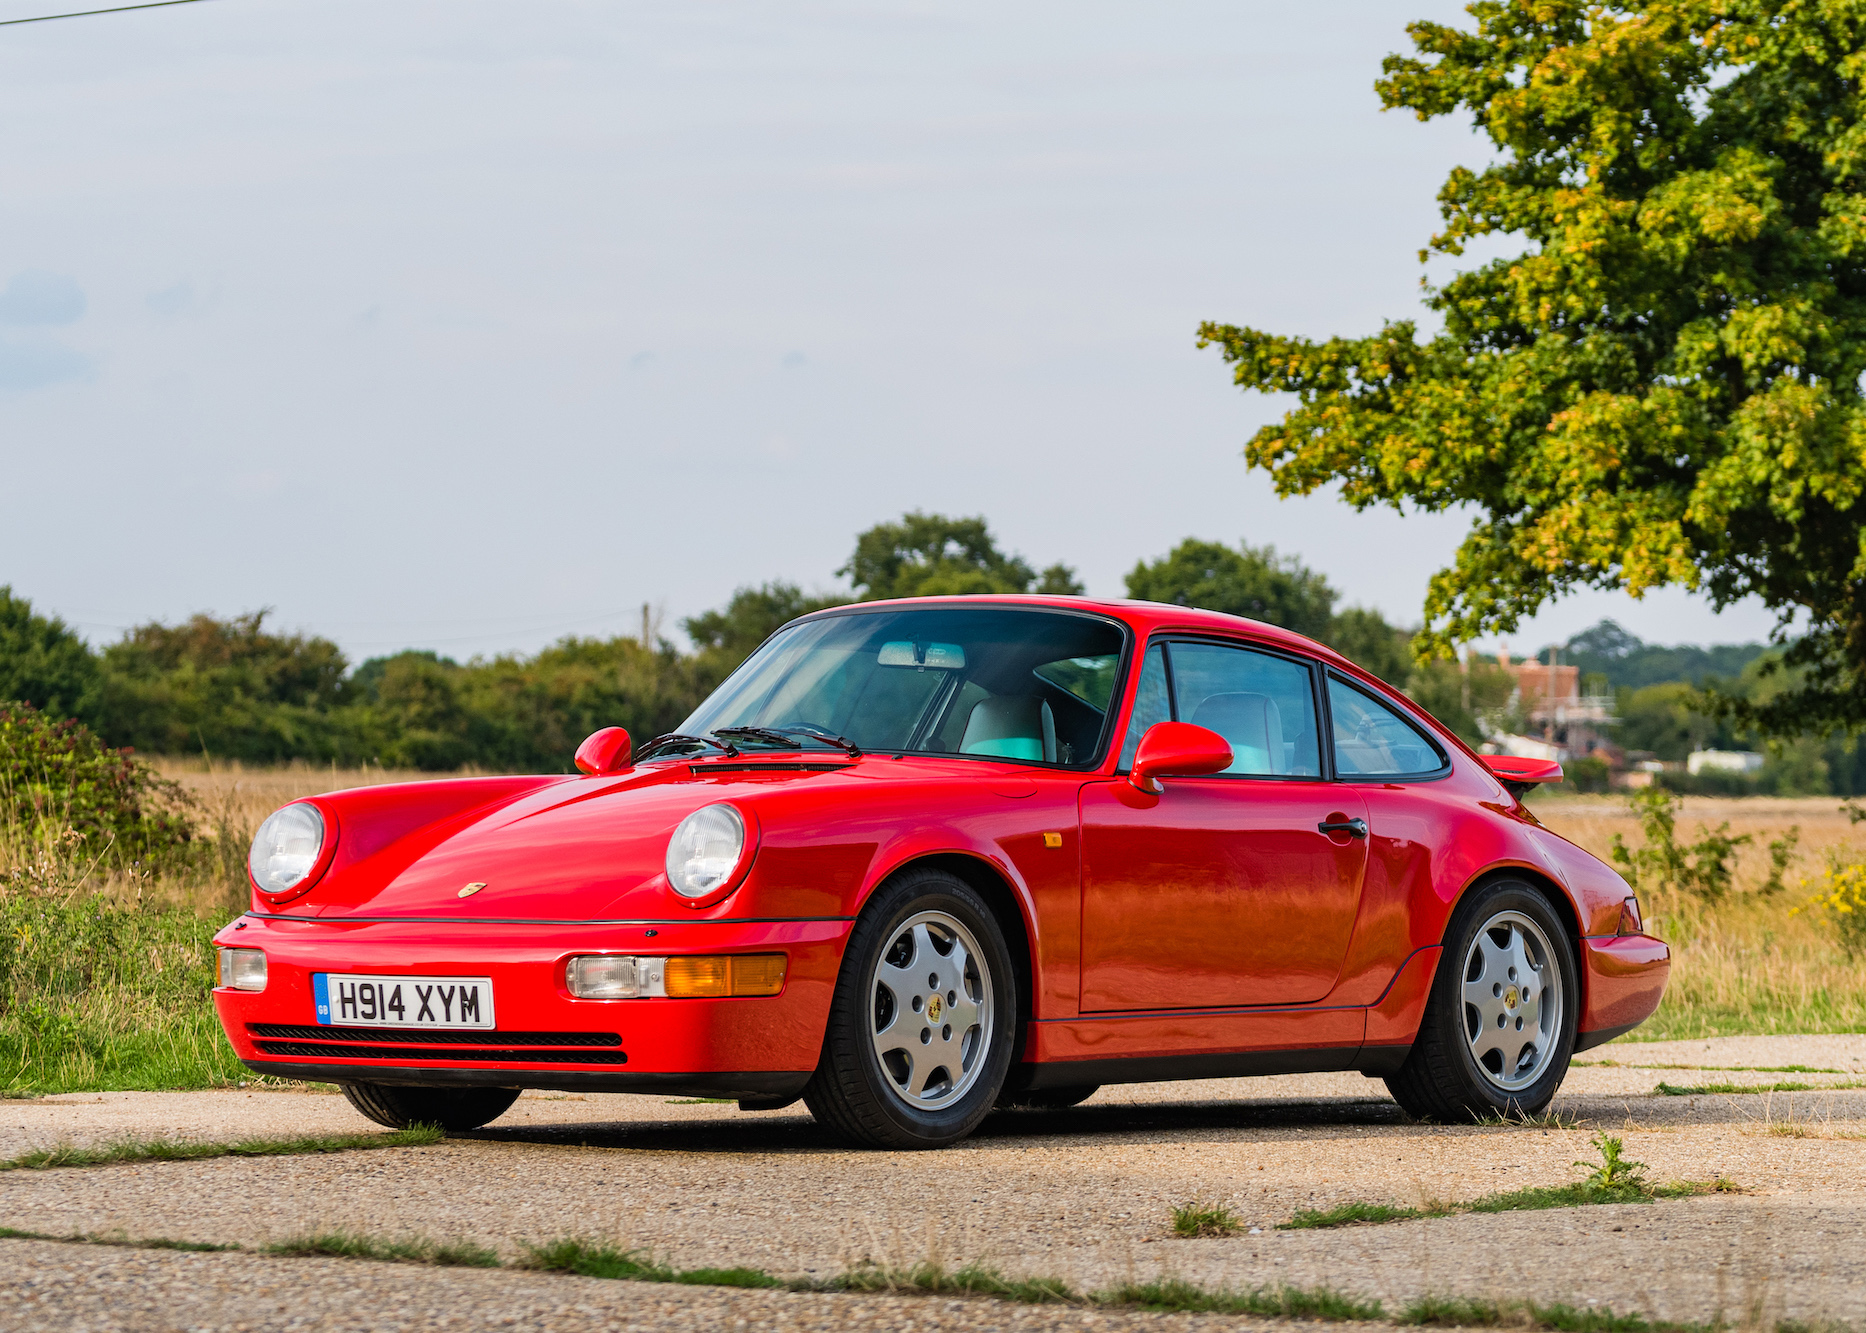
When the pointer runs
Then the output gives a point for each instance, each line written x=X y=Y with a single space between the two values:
x=86 y=13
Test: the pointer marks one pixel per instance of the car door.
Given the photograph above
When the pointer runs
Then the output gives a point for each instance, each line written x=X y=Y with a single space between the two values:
x=1221 y=890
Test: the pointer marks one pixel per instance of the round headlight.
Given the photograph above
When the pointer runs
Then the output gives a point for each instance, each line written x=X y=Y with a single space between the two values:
x=286 y=847
x=705 y=850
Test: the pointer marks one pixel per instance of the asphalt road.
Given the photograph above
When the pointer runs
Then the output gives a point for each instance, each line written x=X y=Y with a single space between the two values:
x=1084 y=1195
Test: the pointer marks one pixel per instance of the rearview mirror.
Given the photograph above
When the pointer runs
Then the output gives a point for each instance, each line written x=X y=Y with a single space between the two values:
x=605 y=752
x=1178 y=750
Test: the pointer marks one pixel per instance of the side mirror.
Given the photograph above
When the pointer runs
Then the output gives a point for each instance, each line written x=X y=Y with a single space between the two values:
x=605 y=752
x=1177 y=750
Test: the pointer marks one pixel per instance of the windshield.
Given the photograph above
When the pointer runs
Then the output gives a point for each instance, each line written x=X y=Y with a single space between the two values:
x=1011 y=683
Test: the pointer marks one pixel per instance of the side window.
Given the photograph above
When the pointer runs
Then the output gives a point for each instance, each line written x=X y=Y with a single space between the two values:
x=1373 y=741
x=1151 y=703
x=1263 y=705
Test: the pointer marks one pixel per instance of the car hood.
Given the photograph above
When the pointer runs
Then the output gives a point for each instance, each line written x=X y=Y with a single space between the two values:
x=577 y=849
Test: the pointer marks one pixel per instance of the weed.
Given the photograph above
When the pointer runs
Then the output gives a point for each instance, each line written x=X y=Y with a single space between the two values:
x=1476 y=1312
x=117 y=1238
x=350 y=1245
x=700 y=1101
x=1205 y=1219
x=1349 y=1214
x=1177 y=1295
x=1615 y=1171
x=973 y=1280
x=1520 y=1119
x=1709 y=1089
x=171 y=1150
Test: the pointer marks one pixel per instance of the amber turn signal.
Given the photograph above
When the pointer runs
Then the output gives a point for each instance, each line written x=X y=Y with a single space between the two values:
x=719 y=975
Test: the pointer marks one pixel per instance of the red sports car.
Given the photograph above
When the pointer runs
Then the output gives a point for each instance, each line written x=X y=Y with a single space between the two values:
x=918 y=859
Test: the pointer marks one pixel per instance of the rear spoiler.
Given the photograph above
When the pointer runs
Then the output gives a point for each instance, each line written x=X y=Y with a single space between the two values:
x=1519 y=774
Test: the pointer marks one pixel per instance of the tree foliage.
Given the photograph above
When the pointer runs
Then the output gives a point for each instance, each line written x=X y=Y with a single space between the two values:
x=43 y=662
x=1662 y=384
x=752 y=616
x=930 y=555
x=1252 y=581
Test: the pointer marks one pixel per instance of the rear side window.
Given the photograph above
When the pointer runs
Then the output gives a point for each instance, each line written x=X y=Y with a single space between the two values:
x=1374 y=741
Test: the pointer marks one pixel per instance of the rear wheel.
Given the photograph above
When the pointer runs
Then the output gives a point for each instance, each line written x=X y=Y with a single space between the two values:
x=1499 y=1027
x=920 y=1030
x=453 y=1109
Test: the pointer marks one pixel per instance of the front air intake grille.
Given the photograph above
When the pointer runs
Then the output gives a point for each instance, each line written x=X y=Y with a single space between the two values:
x=487 y=1055
x=457 y=1037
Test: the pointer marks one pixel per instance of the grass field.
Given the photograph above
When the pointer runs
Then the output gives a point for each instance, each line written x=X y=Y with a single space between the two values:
x=1749 y=963
x=103 y=983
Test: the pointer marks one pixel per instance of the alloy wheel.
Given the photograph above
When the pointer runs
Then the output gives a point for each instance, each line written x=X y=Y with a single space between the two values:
x=932 y=1010
x=1512 y=1000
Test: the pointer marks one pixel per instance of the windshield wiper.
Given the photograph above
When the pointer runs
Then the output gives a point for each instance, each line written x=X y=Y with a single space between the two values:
x=782 y=736
x=678 y=738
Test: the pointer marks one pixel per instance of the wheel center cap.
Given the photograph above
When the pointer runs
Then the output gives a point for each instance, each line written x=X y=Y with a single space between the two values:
x=1510 y=997
x=933 y=1008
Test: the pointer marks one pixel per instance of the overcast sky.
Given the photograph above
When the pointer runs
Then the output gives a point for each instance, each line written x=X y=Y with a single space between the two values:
x=465 y=324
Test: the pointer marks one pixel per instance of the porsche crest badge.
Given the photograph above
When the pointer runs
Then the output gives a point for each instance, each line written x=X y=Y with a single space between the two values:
x=472 y=889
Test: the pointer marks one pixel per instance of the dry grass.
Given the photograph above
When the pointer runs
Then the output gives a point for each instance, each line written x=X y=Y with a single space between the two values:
x=1747 y=964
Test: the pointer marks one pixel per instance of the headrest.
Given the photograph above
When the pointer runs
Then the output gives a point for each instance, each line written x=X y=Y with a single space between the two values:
x=1252 y=724
x=1016 y=726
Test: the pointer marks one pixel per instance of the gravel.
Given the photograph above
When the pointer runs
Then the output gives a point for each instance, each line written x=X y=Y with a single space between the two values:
x=1084 y=1195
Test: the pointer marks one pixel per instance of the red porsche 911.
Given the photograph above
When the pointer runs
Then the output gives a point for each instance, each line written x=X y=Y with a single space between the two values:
x=918 y=859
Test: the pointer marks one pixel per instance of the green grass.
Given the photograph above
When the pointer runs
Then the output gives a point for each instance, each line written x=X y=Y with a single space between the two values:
x=1721 y=1069
x=101 y=995
x=1475 y=1312
x=172 y=1150
x=1708 y=1089
x=1615 y=1178
x=350 y=1245
x=589 y=1259
x=972 y=1280
x=1205 y=1219
x=117 y=1238
x=1177 y=1296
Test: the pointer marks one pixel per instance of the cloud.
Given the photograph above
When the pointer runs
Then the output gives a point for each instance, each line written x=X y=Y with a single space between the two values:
x=38 y=297
x=36 y=365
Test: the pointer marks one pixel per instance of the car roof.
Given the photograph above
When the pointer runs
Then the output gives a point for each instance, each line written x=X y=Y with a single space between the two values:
x=1144 y=617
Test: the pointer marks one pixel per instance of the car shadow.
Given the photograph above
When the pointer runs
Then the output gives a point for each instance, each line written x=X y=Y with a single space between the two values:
x=792 y=1130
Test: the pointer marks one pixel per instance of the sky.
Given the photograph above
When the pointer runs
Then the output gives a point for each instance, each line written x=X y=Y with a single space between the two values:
x=467 y=324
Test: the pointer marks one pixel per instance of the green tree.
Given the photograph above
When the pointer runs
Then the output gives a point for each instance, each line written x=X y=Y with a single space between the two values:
x=752 y=616
x=1662 y=384
x=1363 y=637
x=927 y=555
x=231 y=687
x=1251 y=581
x=43 y=662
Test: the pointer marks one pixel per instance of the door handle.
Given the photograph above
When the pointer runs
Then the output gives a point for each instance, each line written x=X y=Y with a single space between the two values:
x=1354 y=828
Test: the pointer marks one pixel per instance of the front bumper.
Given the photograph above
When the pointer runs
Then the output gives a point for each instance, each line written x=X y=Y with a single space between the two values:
x=544 y=1037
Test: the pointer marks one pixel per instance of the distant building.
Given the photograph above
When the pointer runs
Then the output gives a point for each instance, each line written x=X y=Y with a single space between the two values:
x=1723 y=761
x=1572 y=724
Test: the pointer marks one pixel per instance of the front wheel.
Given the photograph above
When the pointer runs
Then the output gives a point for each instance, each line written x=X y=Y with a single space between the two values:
x=453 y=1109
x=1499 y=1026
x=920 y=1030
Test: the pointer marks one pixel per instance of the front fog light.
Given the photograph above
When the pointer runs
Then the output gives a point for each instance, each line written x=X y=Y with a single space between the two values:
x=242 y=969
x=603 y=977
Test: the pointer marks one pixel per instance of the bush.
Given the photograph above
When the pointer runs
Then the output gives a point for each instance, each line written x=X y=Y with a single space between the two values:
x=1840 y=904
x=60 y=785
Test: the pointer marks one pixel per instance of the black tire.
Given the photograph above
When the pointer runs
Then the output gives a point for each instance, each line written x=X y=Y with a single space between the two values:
x=851 y=1094
x=1048 y=1099
x=1442 y=1078
x=453 y=1109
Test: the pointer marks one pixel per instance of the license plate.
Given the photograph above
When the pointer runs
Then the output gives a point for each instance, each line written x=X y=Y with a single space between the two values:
x=351 y=999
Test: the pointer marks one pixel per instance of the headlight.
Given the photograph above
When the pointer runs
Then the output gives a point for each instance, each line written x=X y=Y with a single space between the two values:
x=286 y=847
x=705 y=850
